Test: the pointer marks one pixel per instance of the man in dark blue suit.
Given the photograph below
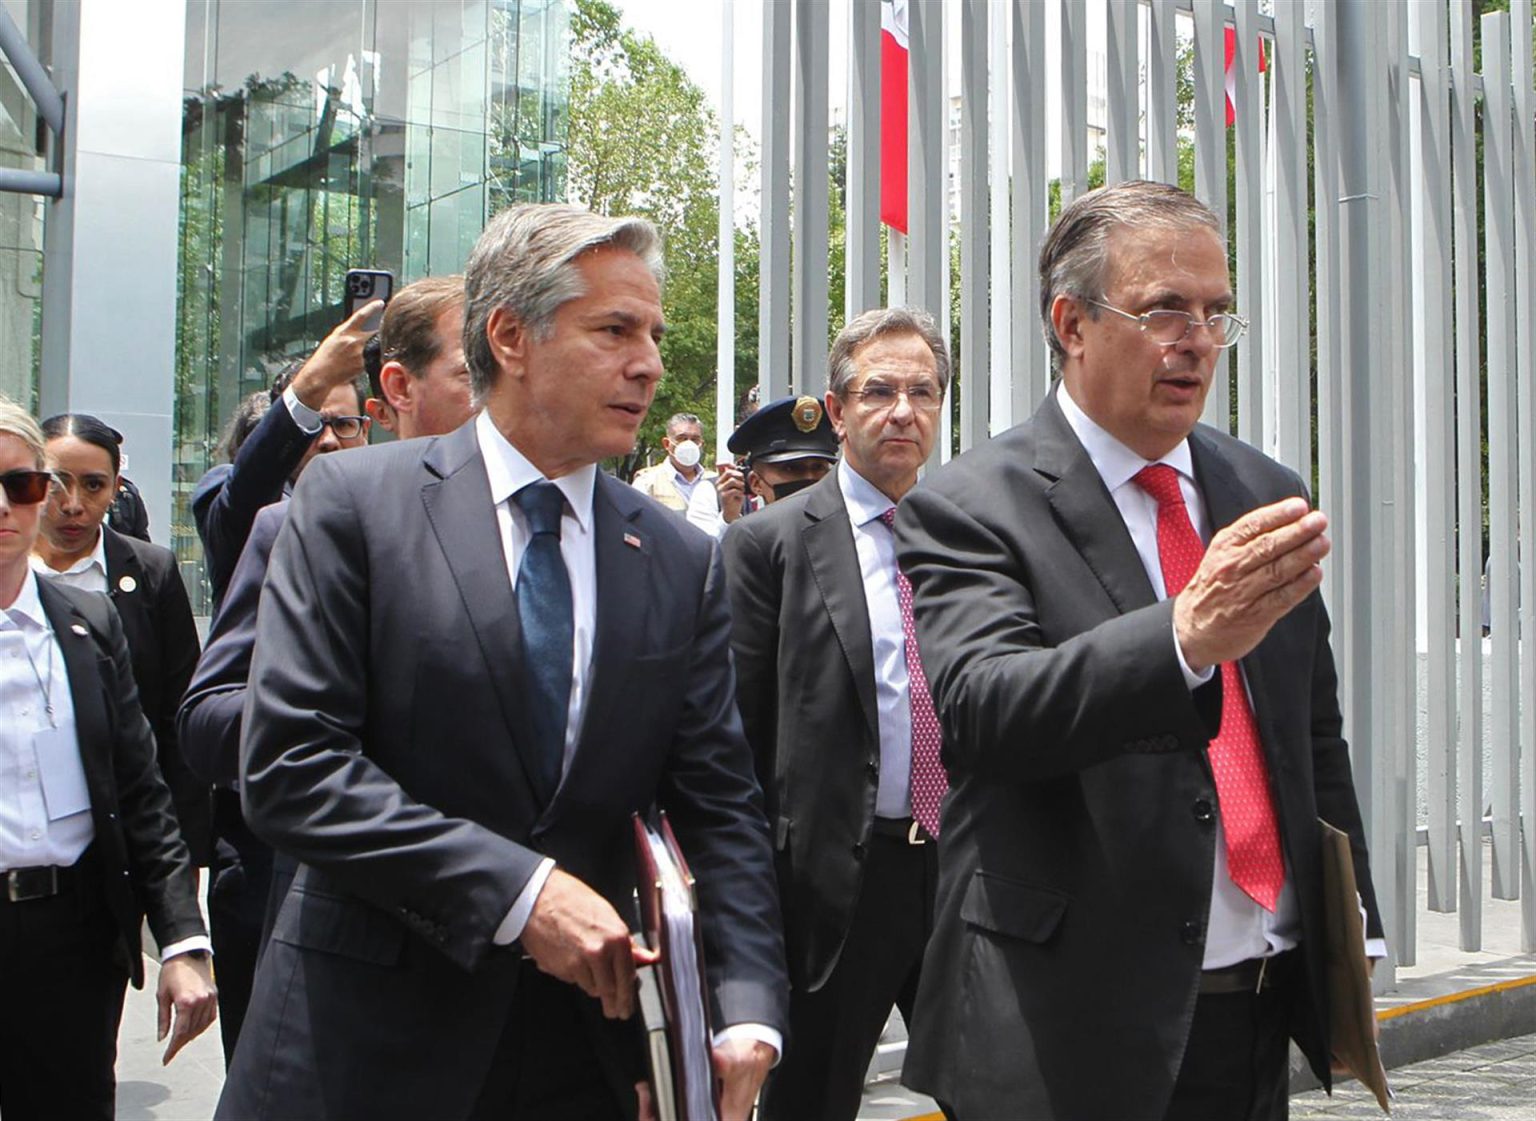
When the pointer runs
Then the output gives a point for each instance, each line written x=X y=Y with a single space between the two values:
x=421 y=352
x=319 y=410
x=476 y=657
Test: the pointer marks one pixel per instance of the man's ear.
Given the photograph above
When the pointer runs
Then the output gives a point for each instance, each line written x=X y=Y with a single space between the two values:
x=398 y=387
x=381 y=412
x=508 y=338
x=758 y=486
x=1067 y=321
x=835 y=414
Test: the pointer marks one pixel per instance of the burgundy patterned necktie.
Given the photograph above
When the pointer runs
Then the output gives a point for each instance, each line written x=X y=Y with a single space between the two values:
x=1237 y=757
x=929 y=782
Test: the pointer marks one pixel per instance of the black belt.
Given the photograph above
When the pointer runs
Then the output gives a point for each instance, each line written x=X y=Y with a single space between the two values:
x=903 y=828
x=42 y=881
x=1255 y=975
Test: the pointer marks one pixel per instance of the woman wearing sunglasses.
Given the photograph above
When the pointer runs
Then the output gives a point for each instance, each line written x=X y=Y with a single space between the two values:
x=88 y=841
x=77 y=547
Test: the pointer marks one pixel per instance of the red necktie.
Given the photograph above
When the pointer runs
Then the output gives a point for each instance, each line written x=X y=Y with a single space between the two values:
x=929 y=782
x=1237 y=757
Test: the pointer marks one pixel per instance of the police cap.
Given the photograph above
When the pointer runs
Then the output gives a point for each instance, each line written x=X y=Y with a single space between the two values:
x=789 y=428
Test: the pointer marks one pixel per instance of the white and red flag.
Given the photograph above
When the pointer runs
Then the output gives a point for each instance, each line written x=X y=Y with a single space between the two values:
x=893 y=113
x=1231 y=77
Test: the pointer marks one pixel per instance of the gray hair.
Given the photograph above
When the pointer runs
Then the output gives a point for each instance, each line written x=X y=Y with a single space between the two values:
x=870 y=325
x=1074 y=261
x=16 y=421
x=678 y=419
x=525 y=262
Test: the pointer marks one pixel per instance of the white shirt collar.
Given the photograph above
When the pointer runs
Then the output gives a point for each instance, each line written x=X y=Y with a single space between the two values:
x=28 y=607
x=509 y=472
x=1116 y=463
x=96 y=558
x=864 y=500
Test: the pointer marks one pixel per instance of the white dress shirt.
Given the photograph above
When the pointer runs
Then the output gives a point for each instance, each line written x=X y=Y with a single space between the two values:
x=509 y=471
x=876 y=548
x=1238 y=928
x=89 y=573
x=309 y=420
x=39 y=751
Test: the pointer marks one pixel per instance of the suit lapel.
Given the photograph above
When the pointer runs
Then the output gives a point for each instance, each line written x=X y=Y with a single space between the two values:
x=125 y=581
x=622 y=550
x=86 y=689
x=457 y=498
x=1086 y=512
x=834 y=560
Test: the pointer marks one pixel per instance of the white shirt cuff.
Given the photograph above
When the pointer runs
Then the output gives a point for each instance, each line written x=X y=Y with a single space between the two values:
x=305 y=417
x=186 y=946
x=511 y=928
x=1375 y=948
x=762 y=1033
x=1191 y=678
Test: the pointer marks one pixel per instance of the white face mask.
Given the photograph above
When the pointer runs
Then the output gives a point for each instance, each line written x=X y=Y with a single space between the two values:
x=687 y=454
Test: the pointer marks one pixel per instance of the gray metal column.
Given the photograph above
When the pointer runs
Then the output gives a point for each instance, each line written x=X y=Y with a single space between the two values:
x=110 y=244
x=1438 y=477
x=1000 y=250
x=927 y=148
x=1211 y=164
x=1122 y=154
x=1028 y=183
x=1525 y=350
x=1293 y=389
x=725 y=234
x=809 y=243
x=862 y=283
x=1074 y=99
x=975 y=226
x=1162 y=107
x=773 y=266
x=1469 y=484
x=1252 y=403
x=1499 y=273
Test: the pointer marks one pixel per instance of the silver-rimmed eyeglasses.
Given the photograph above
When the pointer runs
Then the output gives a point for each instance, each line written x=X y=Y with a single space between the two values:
x=1169 y=328
x=924 y=397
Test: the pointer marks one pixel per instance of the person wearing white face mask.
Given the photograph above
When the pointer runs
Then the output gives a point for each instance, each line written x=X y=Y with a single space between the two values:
x=673 y=481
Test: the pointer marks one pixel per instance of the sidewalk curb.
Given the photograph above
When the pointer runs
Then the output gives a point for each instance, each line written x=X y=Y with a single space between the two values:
x=1428 y=1029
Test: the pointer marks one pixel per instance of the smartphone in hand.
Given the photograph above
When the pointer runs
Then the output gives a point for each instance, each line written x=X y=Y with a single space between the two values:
x=364 y=285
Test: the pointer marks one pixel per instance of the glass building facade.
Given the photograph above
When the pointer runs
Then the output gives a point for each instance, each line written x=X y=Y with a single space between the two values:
x=21 y=227
x=323 y=135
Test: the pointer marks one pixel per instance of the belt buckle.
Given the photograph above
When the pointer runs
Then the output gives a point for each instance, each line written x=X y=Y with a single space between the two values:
x=16 y=893
x=914 y=835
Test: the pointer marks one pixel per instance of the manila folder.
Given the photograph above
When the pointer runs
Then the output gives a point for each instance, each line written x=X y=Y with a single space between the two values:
x=1351 y=1012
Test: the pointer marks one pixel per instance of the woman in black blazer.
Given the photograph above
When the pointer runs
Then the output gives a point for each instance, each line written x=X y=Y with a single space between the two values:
x=79 y=549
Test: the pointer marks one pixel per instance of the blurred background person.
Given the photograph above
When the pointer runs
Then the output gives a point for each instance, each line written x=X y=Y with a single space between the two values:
x=77 y=548
x=88 y=842
x=673 y=481
x=322 y=412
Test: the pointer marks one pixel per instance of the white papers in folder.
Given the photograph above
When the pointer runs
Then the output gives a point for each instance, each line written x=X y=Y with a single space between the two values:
x=677 y=912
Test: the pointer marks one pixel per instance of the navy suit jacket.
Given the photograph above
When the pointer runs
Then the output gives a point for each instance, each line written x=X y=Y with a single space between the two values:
x=227 y=498
x=383 y=748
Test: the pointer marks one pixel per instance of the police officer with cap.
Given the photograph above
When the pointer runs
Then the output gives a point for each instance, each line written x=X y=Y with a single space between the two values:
x=783 y=447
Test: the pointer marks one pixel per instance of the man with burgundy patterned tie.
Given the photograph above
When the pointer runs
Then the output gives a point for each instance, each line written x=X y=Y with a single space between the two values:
x=1118 y=611
x=838 y=713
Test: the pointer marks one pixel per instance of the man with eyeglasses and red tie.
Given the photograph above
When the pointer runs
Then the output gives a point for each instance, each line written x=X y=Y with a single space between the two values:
x=836 y=709
x=1118 y=608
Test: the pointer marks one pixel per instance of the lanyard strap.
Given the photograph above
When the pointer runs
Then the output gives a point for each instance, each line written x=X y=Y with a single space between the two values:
x=47 y=689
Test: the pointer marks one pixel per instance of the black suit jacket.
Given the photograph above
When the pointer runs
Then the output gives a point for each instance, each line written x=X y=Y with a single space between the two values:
x=383 y=749
x=1076 y=863
x=145 y=586
x=806 y=688
x=211 y=714
x=226 y=499
x=145 y=870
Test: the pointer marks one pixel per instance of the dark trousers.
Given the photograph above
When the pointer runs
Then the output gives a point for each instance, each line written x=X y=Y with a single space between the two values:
x=65 y=980
x=545 y=1065
x=833 y=1031
x=1236 y=1064
x=237 y=905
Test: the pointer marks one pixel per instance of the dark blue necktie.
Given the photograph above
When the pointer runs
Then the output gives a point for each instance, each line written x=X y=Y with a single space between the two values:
x=544 y=613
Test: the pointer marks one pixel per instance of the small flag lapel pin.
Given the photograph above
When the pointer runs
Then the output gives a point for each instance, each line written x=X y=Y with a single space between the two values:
x=631 y=540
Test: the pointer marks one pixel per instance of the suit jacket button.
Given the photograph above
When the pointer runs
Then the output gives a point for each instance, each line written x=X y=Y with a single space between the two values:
x=1204 y=812
x=1191 y=933
x=858 y=850
x=872 y=769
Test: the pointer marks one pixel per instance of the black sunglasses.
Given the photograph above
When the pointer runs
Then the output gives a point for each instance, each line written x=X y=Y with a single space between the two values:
x=26 y=487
